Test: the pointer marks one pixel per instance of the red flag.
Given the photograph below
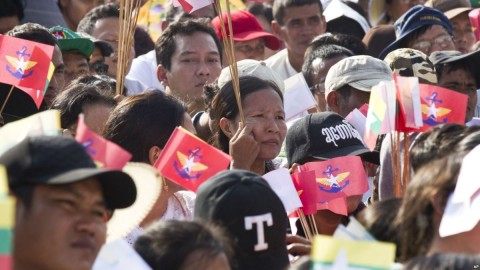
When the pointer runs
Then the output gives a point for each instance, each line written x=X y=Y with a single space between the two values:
x=307 y=190
x=339 y=177
x=24 y=63
x=441 y=105
x=104 y=152
x=38 y=95
x=189 y=161
x=338 y=206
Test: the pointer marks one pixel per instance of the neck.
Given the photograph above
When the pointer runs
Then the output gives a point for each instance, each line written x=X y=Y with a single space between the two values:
x=295 y=60
x=452 y=244
x=258 y=167
x=193 y=105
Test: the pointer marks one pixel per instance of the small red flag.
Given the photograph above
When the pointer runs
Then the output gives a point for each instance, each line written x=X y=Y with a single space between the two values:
x=441 y=105
x=24 y=63
x=105 y=153
x=338 y=206
x=338 y=177
x=306 y=186
x=36 y=94
x=189 y=161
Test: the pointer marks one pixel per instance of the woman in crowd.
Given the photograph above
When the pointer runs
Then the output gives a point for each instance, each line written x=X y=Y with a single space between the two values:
x=253 y=144
x=87 y=99
x=142 y=125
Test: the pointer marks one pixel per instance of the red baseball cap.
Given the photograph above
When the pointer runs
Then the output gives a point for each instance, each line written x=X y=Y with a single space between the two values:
x=245 y=27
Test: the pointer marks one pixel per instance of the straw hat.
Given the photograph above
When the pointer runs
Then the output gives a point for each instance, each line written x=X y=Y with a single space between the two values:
x=149 y=185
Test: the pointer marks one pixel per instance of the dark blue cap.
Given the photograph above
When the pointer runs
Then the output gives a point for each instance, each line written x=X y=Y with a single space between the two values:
x=415 y=18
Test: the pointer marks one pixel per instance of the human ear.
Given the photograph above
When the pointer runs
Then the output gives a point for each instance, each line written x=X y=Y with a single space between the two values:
x=162 y=74
x=153 y=154
x=277 y=29
x=227 y=127
x=332 y=101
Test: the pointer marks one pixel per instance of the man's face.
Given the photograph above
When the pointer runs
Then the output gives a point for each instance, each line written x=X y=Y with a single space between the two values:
x=320 y=69
x=75 y=65
x=434 y=39
x=107 y=30
x=196 y=61
x=463 y=32
x=58 y=79
x=462 y=81
x=252 y=49
x=347 y=103
x=300 y=26
x=63 y=228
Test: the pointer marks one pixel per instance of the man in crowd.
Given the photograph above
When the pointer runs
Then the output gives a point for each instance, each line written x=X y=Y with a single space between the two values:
x=457 y=12
x=349 y=82
x=37 y=33
x=102 y=23
x=422 y=28
x=76 y=52
x=250 y=39
x=316 y=66
x=459 y=72
x=189 y=55
x=63 y=202
x=296 y=22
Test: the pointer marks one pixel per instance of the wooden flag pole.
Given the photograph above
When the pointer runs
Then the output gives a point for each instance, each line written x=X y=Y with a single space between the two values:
x=5 y=102
x=128 y=22
x=229 y=46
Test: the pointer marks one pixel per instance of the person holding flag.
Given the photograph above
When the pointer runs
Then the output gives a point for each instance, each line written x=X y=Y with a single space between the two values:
x=326 y=136
x=142 y=125
x=253 y=144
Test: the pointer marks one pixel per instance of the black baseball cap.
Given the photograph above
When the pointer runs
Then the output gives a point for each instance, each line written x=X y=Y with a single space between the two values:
x=56 y=160
x=241 y=202
x=323 y=136
x=471 y=60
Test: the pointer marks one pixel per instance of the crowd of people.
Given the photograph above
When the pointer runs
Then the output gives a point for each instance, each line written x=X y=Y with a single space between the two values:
x=68 y=207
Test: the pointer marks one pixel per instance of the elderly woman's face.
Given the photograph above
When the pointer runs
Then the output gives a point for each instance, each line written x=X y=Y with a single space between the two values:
x=263 y=110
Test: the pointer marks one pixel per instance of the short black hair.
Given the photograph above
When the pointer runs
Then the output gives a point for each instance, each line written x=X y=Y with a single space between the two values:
x=280 y=6
x=33 y=32
x=167 y=244
x=88 y=22
x=322 y=52
x=165 y=46
x=261 y=9
x=355 y=45
x=443 y=69
x=72 y=101
x=12 y=8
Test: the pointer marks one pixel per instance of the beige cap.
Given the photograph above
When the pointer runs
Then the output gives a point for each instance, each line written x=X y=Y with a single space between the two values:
x=249 y=67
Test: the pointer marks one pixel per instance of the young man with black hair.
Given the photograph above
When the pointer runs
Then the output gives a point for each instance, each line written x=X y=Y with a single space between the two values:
x=189 y=55
x=296 y=23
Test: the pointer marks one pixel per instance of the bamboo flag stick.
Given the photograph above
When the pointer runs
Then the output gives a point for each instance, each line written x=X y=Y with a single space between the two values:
x=6 y=99
x=314 y=224
x=229 y=47
x=406 y=160
x=305 y=226
x=128 y=22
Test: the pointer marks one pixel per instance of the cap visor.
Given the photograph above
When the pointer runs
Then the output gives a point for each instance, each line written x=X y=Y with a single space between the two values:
x=271 y=41
x=456 y=11
x=355 y=150
x=83 y=45
x=367 y=84
x=118 y=187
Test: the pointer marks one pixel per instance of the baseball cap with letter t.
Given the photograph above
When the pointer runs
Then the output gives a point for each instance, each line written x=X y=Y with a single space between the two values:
x=323 y=136
x=57 y=160
x=245 y=205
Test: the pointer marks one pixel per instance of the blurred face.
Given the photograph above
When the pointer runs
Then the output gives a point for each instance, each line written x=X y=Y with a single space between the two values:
x=462 y=81
x=252 y=49
x=64 y=227
x=75 y=65
x=300 y=26
x=58 y=79
x=435 y=39
x=463 y=32
x=107 y=30
x=320 y=69
x=268 y=121
x=344 y=103
x=196 y=61
x=74 y=10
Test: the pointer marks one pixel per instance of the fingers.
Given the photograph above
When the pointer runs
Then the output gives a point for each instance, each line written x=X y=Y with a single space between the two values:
x=299 y=249
x=297 y=239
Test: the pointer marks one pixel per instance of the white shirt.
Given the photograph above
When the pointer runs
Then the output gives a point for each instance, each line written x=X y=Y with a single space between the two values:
x=134 y=86
x=144 y=70
x=280 y=64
